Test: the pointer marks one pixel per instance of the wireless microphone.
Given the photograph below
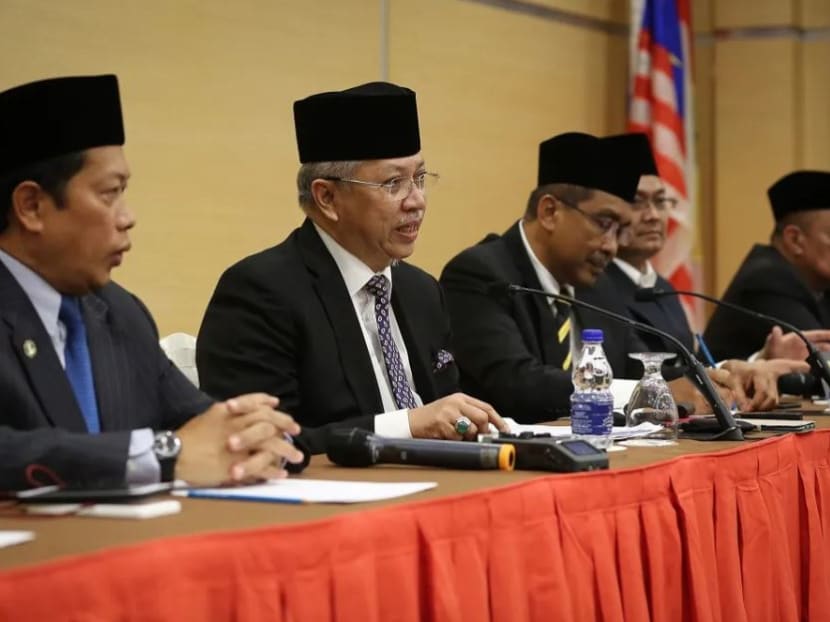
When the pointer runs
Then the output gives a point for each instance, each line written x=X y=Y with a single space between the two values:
x=354 y=447
x=729 y=429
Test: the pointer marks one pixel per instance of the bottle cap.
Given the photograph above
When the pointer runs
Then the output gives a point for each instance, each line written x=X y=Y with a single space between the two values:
x=592 y=334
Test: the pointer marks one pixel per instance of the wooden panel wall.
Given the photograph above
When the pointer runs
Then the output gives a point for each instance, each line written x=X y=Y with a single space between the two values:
x=208 y=87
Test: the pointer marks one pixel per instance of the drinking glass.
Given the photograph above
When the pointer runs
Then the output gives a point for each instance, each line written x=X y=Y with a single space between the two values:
x=652 y=399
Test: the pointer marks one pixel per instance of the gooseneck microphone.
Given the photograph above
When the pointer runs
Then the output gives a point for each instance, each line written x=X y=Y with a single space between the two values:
x=354 y=447
x=729 y=429
x=817 y=363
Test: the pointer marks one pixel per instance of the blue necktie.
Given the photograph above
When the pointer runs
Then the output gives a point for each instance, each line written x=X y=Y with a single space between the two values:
x=78 y=363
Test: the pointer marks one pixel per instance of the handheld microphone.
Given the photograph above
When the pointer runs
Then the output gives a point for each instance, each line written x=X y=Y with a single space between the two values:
x=729 y=429
x=359 y=448
x=819 y=366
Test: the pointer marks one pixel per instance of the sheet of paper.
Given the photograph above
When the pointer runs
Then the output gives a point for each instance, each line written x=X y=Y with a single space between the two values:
x=10 y=538
x=312 y=491
x=621 y=389
x=618 y=432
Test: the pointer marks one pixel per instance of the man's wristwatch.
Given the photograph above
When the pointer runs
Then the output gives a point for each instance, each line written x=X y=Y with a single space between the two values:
x=167 y=446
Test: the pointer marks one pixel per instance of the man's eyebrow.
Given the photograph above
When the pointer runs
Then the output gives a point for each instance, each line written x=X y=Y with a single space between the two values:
x=607 y=212
x=397 y=169
x=121 y=177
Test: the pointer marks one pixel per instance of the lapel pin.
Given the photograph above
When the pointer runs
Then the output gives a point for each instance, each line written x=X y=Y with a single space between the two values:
x=29 y=349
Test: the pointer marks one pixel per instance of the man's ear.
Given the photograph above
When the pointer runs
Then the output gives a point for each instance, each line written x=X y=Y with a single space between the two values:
x=793 y=238
x=548 y=211
x=27 y=206
x=322 y=190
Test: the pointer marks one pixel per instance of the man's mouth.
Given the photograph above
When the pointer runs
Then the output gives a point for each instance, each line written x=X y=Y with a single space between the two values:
x=598 y=263
x=118 y=256
x=411 y=227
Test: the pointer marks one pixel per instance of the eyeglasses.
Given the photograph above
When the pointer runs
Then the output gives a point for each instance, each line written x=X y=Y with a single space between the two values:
x=608 y=226
x=661 y=204
x=400 y=187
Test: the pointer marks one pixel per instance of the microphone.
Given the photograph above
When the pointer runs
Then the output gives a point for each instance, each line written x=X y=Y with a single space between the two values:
x=796 y=383
x=729 y=429
x=817 y=363
x=354 y=447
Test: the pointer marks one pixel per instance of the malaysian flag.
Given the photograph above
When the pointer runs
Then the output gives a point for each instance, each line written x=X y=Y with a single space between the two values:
x=661 y=106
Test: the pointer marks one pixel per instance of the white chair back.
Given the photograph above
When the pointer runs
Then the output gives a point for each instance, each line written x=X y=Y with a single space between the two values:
x=181 y=349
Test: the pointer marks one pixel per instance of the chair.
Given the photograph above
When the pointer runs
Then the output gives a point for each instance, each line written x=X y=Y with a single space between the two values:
x=180 y=348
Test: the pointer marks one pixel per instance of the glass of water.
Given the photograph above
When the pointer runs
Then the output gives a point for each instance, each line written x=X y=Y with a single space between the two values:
x=652 y=399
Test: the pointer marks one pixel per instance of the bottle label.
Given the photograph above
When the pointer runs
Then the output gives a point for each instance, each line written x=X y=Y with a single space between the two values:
x=592 y=417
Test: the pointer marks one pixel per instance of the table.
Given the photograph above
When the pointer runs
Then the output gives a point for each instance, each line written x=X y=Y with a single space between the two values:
x=700 y=531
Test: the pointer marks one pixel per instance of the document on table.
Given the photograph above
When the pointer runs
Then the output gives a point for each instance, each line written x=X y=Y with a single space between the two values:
x=10 y=538
x=618 y=432
x=311 y=491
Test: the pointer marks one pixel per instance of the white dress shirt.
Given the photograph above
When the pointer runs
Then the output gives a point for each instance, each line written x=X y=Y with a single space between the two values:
x=393 y=422
x=142 y=465
x=640 y=279
x=550 y=284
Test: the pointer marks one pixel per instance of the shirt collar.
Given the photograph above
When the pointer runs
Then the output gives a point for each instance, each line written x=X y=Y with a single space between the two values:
x=546 y=279
x=355 y=273
x=640 y=279
x=44 y=298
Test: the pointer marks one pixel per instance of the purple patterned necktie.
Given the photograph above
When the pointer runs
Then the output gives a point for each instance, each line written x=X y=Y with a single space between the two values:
x=379 y=287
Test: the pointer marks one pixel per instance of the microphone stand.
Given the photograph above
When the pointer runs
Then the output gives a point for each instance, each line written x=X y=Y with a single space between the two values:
x=818 y=364
x=729 y=429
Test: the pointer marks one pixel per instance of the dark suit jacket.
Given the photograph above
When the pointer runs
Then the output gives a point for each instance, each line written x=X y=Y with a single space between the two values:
x=665 y=313
x=281 y=321
x=766 y=283
x=504 y=345
x=136 y=386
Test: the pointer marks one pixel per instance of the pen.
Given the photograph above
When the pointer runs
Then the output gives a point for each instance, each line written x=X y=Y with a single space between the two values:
x=209 y=494
x=704 y=350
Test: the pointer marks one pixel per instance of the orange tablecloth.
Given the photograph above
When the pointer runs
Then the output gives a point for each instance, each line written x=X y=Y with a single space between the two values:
x=742 y=535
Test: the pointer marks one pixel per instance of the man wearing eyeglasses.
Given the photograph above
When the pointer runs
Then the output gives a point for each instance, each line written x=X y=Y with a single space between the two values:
x=632 y=269
x=517 y=352
x=331 y=320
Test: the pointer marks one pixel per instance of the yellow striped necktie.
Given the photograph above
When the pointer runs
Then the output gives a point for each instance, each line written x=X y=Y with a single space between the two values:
x=563 y=332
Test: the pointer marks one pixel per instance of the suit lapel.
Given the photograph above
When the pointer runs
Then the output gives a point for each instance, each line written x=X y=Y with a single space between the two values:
x=824 y=309
x=651 y=313
x=36 y=354
x=676 y=315
x=351 y=346
x=104 y=354
x=406 y=302
x=540 y=309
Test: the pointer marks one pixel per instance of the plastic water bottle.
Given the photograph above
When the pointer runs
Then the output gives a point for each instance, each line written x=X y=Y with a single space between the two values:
x=592 y=404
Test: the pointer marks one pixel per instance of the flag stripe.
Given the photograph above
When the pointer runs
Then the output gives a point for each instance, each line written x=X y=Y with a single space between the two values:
x=660 y=98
